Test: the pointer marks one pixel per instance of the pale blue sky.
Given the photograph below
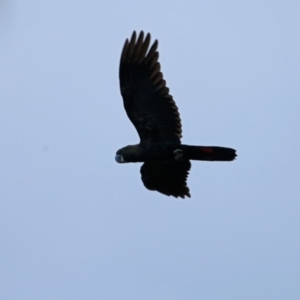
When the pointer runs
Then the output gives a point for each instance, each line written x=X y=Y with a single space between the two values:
x=74 y=224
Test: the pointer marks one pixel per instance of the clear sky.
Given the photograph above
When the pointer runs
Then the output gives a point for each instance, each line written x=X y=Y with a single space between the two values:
x=74 y=224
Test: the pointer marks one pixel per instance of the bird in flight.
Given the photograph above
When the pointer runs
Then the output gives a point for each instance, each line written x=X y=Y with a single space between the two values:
x=153 y=112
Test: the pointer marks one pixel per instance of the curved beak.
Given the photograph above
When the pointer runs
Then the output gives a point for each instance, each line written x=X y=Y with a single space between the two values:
x=119 y=158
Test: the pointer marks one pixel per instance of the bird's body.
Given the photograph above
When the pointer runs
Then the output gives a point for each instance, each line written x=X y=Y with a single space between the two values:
x=170 y=151
x=155 y=115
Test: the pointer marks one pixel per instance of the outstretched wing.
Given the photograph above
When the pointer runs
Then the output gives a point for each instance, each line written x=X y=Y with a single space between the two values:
x=168 y=178
x=147 y=101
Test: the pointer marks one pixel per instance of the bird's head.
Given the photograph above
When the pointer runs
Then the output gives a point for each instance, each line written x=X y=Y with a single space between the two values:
x=123 y=155
x=127 y=154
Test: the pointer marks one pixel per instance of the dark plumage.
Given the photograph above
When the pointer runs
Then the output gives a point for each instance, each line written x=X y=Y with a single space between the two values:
x=155 y=116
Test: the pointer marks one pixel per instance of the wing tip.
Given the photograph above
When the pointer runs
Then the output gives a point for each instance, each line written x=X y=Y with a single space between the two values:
x=137 y=46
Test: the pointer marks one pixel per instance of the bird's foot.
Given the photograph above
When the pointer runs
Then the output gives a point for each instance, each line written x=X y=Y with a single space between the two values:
x=178 y=154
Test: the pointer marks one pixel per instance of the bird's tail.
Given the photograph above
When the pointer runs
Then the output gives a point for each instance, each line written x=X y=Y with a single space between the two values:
x=209 y=153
